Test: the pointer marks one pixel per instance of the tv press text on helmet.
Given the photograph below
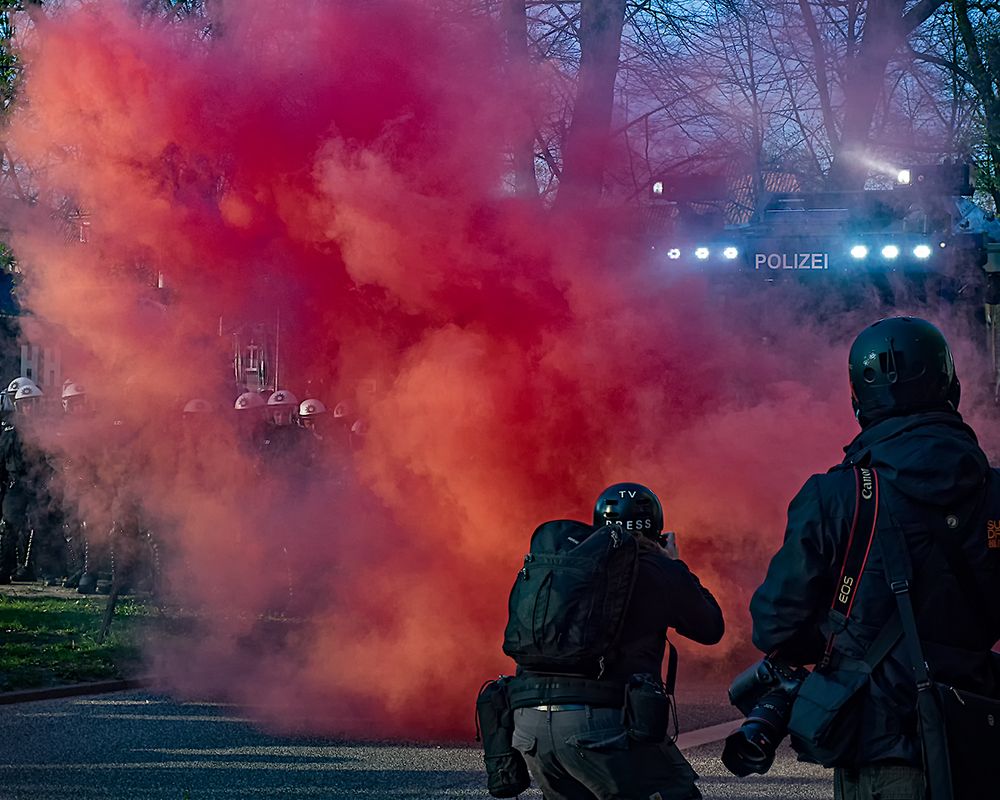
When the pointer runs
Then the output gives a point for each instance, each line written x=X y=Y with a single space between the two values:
x=638 y=510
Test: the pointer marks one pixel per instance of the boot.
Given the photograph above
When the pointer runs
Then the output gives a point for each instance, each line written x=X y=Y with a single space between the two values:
x=87 y=583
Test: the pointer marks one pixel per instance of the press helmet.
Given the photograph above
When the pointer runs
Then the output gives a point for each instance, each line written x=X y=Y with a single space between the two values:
x=631 y=505
x=901 y=365
x=249 y=400
x=311 y=407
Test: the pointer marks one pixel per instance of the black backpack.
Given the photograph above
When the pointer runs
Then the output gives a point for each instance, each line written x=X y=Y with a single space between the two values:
x=568 y=602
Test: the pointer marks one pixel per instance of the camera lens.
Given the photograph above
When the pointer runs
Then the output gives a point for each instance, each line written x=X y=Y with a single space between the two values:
x=751 y=748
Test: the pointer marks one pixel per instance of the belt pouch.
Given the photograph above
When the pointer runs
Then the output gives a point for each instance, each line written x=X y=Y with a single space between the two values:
x=647 y=709
x=506 y=770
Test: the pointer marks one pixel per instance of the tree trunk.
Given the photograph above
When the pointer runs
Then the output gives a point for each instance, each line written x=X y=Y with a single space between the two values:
x=882 y=37
x=983 y=80
x=585 y=151
x=886 y=30
x=515 y=23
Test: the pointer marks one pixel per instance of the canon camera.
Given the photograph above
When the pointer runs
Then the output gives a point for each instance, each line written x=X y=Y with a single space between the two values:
x=765 y=693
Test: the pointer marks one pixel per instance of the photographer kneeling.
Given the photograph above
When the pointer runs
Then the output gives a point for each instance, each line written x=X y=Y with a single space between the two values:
x=589 y=615
x=890 y=565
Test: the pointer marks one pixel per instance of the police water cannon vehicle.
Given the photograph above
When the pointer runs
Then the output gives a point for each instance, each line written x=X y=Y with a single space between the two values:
x=919 y=240
x=915 y=227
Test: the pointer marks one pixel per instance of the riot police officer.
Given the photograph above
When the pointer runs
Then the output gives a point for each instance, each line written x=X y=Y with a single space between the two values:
x=29 y=515
x=9 y=533
x=282 y=443
x=251 y=422
x=74 y=399
x=938 y=491
x=569 y=724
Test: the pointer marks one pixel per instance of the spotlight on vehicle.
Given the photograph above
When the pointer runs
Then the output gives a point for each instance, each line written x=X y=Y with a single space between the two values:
x=674 y=253
x=701 y=253
x=922 y=251
x=658 y=188
x=730 y=253
x=859 y=251
x=890 y=251
x=903 y=177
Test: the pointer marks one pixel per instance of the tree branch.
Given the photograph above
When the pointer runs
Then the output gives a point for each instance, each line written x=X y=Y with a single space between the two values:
x=930 y=58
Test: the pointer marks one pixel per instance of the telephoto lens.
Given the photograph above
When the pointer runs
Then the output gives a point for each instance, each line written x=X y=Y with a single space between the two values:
x=751 y=748
x=765 y=693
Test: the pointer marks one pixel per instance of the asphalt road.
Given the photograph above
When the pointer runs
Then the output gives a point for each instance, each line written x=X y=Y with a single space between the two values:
x=135 y=745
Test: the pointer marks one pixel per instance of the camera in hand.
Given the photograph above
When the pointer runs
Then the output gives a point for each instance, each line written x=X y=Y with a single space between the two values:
x=765 y=693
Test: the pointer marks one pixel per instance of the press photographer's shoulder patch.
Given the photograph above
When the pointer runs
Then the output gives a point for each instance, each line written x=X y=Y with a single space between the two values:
x=993 y=534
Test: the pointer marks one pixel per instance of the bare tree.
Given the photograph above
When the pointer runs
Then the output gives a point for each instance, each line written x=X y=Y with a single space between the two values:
x=515 y=23
x=586 y=146
x=885 y=26
x=979 y=27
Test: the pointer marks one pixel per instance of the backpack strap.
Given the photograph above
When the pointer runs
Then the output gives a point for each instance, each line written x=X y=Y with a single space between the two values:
x=899 y=571
x=859 y=545
x=671 y=679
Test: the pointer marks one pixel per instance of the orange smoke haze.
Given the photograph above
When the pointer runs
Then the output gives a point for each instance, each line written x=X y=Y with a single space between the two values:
x=340 y=166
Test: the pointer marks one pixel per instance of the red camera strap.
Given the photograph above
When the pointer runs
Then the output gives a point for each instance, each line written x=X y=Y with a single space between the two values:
x=859 y=545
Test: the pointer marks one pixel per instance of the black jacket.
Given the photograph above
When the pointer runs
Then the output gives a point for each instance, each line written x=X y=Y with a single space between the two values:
x=666 y=595
x=931 y=468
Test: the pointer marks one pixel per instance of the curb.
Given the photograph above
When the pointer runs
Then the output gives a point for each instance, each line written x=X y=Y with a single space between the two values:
x=709 y=735
x=72 y=690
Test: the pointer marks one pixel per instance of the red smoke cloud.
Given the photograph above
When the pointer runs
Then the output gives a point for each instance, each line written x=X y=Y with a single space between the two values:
x=342 y=166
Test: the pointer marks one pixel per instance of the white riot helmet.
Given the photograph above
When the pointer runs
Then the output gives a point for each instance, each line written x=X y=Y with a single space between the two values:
x=17 y=383
x=343 y=411
x=26 y=398
x=74 y=397
x=282 y=406
x=28 y=391
x=71 y=389
x=197 y=406
x=282 y=397
x=311 y=408
x=249 y=400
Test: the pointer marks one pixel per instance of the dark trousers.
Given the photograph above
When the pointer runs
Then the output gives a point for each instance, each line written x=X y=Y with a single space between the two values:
x=586 y=754
x=36 y=533
x=8 y=552
x=879 y=782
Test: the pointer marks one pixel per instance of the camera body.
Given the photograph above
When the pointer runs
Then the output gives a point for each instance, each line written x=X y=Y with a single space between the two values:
x=764 y=693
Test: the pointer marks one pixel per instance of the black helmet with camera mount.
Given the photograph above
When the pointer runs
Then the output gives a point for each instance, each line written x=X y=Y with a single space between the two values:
x=631 y=505
x=901 y=365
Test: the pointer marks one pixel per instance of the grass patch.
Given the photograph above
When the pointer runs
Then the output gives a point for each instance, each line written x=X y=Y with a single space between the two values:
x=46 y=641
